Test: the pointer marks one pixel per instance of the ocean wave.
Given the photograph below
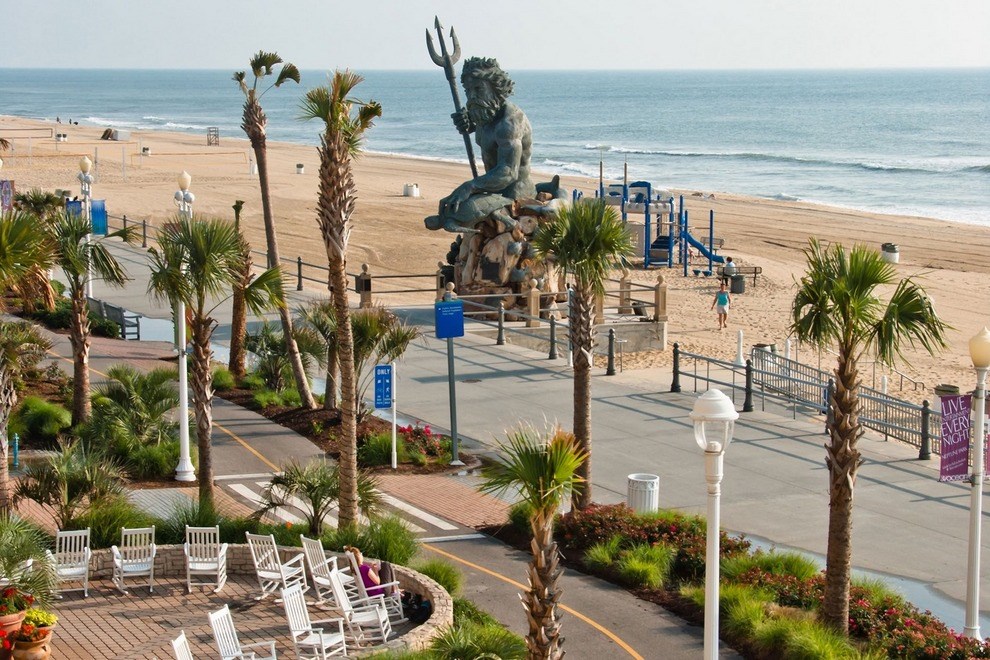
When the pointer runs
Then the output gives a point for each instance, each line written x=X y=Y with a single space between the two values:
x=784 y=197
x=978 y=168
x=102 y=121
x=575 y=168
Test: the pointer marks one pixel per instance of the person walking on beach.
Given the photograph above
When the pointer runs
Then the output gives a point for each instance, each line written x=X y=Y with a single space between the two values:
x=722 y=301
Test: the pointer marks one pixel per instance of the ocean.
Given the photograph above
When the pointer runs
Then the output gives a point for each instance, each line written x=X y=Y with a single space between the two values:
x=913 y=142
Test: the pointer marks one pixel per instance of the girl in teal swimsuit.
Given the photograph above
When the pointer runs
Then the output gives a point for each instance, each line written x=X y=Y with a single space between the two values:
x=722 y=301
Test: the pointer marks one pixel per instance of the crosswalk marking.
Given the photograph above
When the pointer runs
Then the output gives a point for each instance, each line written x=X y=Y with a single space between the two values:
x=422 y=515
x=253 y=491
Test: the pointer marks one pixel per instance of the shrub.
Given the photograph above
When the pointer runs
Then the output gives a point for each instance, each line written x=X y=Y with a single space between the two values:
x=336 y=539
x=284 y=533
x=223 y=380
x=801 y=639
x=390 y=540
x=38 y=618
x=39 y=420
x=232 y=529
x=466 y=610
x=101 y=327
x=377 y=450
x=106 y=518
x=423 y=440
x=252 y=381
x=264 y=397
x=601 y=556
x=519 y=515
x=153 y=461
x=772 y=562
x=191 y=513
x=444 y=573
x=472 y=640
x=744 y=616
x=60 y=318
x=646 y=565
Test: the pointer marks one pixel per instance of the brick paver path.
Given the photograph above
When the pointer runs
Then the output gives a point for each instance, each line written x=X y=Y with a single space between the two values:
x=446 y=496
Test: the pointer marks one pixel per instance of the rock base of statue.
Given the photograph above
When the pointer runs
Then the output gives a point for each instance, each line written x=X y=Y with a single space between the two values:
x=499 y=261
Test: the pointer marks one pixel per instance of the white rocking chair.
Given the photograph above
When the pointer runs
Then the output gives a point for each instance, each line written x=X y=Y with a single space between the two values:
x=367 y=619
x=390 y=592
x=320 y=567
x=180 y=647
x=135 y=557
x=311 y=642
x=273 y=573
x=205 y=555
x=71 y=559
x=225 y=636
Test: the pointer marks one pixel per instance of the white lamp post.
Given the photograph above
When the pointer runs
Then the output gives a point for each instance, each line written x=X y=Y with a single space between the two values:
x=86 y=190
x=713 y=416
x=979 y=351
x=184 y=470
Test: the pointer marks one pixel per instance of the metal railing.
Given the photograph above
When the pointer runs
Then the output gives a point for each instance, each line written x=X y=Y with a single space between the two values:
x=792 y=383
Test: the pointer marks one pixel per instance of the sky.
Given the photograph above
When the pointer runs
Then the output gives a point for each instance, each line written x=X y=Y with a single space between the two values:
x=521 y=34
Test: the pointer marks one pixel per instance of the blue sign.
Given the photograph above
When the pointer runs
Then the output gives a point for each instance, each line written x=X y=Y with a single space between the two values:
x=383 y=386
x=98 y=216
x=449 y=316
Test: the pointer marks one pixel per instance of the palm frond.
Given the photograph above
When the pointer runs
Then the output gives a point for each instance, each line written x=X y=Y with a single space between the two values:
x=288 y=72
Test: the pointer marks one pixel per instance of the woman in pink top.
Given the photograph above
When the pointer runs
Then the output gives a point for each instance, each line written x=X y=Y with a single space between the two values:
x=369 y=573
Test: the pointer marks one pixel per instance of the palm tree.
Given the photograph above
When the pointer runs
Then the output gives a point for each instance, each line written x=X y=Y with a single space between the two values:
x=238 y=323
x=254 y=121
x=339 y=144
x=319 y=315
x=71 y=480
x=22 y=347
x=131 y=409
x=26 y=253
x=195 y=265
x=545 y=472
x=41 y=203
x=837 y=304
x=311 y=490
x=272 y=363
x=81 y=258
x=585 y=240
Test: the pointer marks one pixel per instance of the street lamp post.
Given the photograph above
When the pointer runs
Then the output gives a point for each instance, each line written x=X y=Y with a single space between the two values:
x=184 y=470
x=979 y=351
x=86 y=191
x=713 y=416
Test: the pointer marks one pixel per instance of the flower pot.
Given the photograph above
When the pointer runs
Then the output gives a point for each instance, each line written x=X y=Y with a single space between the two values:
x=11 y=622
x=40 y=650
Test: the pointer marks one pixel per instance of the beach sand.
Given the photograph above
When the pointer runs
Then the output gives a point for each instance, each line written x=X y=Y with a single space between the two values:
x=952 y=259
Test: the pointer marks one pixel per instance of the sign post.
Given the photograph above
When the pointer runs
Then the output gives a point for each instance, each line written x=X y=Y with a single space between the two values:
x=385 y=398
x=449 y=319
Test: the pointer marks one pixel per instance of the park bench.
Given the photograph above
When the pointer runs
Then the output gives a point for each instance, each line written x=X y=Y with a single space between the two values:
x=742 y=270
x=129 y=322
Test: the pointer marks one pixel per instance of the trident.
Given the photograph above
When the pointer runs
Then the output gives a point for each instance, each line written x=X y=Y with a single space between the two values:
x=447 y=61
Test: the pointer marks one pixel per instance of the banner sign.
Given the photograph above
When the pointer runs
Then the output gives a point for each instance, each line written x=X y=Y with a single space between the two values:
x=955 y=437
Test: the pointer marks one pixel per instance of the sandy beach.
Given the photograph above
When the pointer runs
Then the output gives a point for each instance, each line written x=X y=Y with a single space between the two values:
x=953 y=259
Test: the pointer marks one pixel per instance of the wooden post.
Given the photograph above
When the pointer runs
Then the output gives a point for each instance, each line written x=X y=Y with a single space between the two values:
x=660 y=300
x=533 y=306
x=364 y=287
x=624 y=293
x=599 y=308
x=440 y=282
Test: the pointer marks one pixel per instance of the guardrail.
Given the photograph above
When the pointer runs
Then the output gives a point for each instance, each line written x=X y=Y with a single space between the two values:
x=790 y=382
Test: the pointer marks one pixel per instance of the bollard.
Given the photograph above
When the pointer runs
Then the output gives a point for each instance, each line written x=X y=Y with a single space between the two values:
x=17 y=451
x=660 y=300
x=299 y=274
x=748 y=401
x=364 y=287
x=925 y=451
x=144 y=233
x=500 y=339
x=610 y=370
x=125 y=222
x=740 y=359
x=675 y=385
x=533 y=306
x=553 y=339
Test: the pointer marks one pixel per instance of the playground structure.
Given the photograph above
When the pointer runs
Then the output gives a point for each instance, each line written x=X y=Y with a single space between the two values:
x=673 y=240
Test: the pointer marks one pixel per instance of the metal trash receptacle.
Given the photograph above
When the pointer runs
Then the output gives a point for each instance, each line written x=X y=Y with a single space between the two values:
x=737 y=284
x=643 y=493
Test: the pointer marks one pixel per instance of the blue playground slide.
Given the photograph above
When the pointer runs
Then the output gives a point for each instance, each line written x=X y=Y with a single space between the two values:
x=702 y=248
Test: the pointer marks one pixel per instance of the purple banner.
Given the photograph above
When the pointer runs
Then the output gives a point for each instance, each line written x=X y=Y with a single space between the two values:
x=955 y=437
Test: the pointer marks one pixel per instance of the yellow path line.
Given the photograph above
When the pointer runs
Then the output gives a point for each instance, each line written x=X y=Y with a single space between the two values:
x=597 y=626
x=233 y=435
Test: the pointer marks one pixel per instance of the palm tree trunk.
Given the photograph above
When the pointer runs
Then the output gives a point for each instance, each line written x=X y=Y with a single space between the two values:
x=7 y=400
x=544 y=640
x=581 y=328
x=298 y=371
x=330 y=393
x=348 y=501
x=203 y=405
x=843 y=461
x=238 y=323
x=80 y=340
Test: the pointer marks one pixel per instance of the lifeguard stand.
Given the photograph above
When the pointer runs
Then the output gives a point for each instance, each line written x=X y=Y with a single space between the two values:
x=213 y=136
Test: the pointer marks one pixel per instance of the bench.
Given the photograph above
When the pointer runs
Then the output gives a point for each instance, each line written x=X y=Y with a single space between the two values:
x=129 y=322
x=742 y=270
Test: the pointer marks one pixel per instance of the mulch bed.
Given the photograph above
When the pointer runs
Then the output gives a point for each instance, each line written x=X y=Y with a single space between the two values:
x=322 y=428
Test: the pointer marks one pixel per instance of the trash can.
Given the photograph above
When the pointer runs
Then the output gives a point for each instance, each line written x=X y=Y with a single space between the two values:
x=943 y=389
x=890 y=253
x=643 y=494
x=737 y=284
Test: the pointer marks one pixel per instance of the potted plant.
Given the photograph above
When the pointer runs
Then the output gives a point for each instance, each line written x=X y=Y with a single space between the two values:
x=13 y=604
x=31 y=643
x=40 y=619
x=30 y=577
